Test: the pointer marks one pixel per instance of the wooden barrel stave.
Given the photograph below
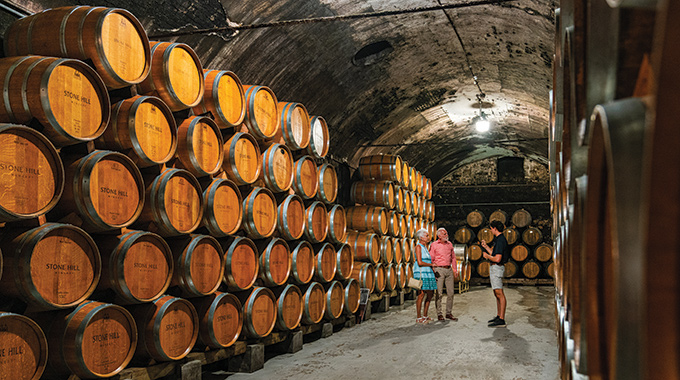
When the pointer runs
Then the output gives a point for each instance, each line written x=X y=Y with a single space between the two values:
x=259 y=213
x=275 y=261
x=328 y=184
x=259 y=312
x=295 y=128
x=316 y=222
x=261 y=112
x=277 y=168
x=319 y=137
x=199 y=147
x=242 y=159
x=291 y=219
x=288 y=307
x=325 y=263
x=335 y=300
x=302 y=263
x=314 y=303
x=306 y=178
x=352 y=296
x=199 y=266
x=220 y=319
x=381 y=167
x=376 y=193
x=365 y=245
x=337 y=224
x=345 y=262
x=241 y=264
x=223 y=208
x=224 y=98
x=364 y=274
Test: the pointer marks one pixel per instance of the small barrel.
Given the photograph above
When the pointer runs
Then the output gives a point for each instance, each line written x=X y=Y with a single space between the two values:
x=259 y=213
x=241 y=160
x=543 y=253
x=168 y=328
x=313 y=303
x=500 y=216
x=223 y=207
x=259 y=312
x=224 y=98
x=316 y=222
x=319 y=141
x=335 y=300
x=521 y=218
x=328 y=184
x=377 y=193
x=302 y=263
x=511 y=235
x=176 y=75
x=54 y=266
x=475 y=218
x=483 y=268
x=294 y=123
x=32 y=173
x=345 y=260
x=485 y=234
x=275 y=261
x=367 y=218
x=475 y=252
x=386 y=249
x=290 y=222
x=391 y=279
x=365 y=245
x=305 y=178
x=352 y=296
x=241 y=263
x=381 y=167
x=262 y=114
x=463 y=235
x=199 y=146
x=337 y=224
x=277 y=168
x=325 y=262
x=531 y=269
x=220 y=319
x=380 y=275
x=532 y=236
x=198 y=265
x=402 y=273
x=520 y=252
x=144 y=128
x=26 y=345
x=288 y=307
x=364 y=273
x=398 y=250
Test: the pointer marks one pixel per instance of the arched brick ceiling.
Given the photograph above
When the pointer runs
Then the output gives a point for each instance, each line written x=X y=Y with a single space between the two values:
x=415 y=98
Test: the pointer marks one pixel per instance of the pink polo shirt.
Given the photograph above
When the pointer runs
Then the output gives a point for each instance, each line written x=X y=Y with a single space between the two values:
x=442 y=254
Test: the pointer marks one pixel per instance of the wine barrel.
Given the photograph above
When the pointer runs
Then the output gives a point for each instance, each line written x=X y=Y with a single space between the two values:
x=463 y=235
x=176 y=75
x=220 y=319
x=393 y=227
x=475 y=252
x=475 y=218
x=511 y=269
x=365 y=245
x=277 y=168
x=364 y=273
x=288 y=307
x=380 y=276
x=500 y=216
x=168 y=328
x=104 y=188
x=401 y=271
x=391 y=279
x=413 y=174
x=398 y=197
x=345 y=261
x=511 y=235
x=403 y=225
x=408 y=251
x=26 y=347
x=199 y=147
x=259 y=213
x=352 y=296
x=461 y=252
x=519 y=252
x=325 y=262
x=242 y=159
x=314 y=303
x=337 y=224
x=241 y=264
x=386 y=249
x=485 y=234
x=409 y=271
x=521 y=218
x=381 y=167
x=408 y=203
x=398 y=250
x=113 y=39
x=302 y=263
x=532 y=236
x=144 y=128
x=136 y=265
x=531 y=269
x=406 y=175
x=294 y=123
x=335 y=300
x=306 y=178
x=32 y=172
x=262 y=118
x=543 y=253
x=259 y=312
x=291 y=218
x=66 y=96
x=224 y=98
x=367 y=218
x=316 y=222
x=223 y=208
x=199 y=265
x=328 y=184
x=376 y=193
x=275 y=261
x=483 y=268
x=549 y=268
x=319 y=140
x=174 y=204
x=54 y=266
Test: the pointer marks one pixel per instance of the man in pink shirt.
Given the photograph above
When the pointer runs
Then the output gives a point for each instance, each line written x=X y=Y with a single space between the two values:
x=444 y=262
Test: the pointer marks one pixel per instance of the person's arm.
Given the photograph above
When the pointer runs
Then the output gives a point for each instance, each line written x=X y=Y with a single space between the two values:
x=485 y=247
x=454 y=263
x=419 y=257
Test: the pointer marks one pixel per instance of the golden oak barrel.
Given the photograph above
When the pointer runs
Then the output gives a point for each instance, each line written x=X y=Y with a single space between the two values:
x=391 y=279
x=408 y=251
x=242 y=159
x=176 y=75
x=475 y=252
x=259 y=213
x=532 y=236
x=288 y=307
x=167 y=327
x=500 y=216
x=32 y=173
x=316 y=222
x=510 y=269
x=398 y=197
x=381 y=167
x=220 y=319
x=408 y=203
x=174 y=204
x=199 y=146
x=53 y=266
x=262 y=114
x=113 y=39
x=367 y=218
x=413 y=175
x=485 y=234
x=475 y=218
x=431 y=213
x=199 y=265
x=136 y=265
x=409 y=271
x=259 y=312
x=352 y=296
x=104 y=188
x=402 y=275
x=25 y=348
x=365 y=245
x=393 y=227
x=319 y=141
x=549 y=268
x=531 y=269
x=403 y=225
x=275 y=261
x=429 y=189
x=364 y=273
x=241 y=263
x=224 y=98
x=337 y=224
x=511 y=235
x=411 y=224
x=483 y=268
x=345 y=260
x=328 y=184
x=306 y=178
x=398 y=250
x=463 y=235
x=290 y=222
x=144 y=128
x=544 y=252
x=520 y=252
x=223 y=207
x=376 y=193
x=405 y=176
x=302 y=263
x=313 y=303
x=386 y=249
x=277 y=168
x=325 y=262
x=294 y=125
x=66 y=96
x=380 y=276
x=335 y=300
x=521 y=218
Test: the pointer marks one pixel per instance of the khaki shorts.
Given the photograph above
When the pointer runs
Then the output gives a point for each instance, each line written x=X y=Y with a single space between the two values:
x=496 y=273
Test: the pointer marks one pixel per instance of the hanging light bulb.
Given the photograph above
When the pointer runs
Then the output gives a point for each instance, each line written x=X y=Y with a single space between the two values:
x=482 y=125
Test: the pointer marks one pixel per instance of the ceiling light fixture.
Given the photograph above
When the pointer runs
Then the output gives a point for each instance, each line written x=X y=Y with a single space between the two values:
x=482 y=124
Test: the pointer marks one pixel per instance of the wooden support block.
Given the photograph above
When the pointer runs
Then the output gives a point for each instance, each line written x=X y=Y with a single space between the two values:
x=190 y=370
x=351 y=322
x=397 y=299
x=383 y=305
x=410 y=295
x=368 y=311
x=250 y=361
x=293 y=343
x=326 y=330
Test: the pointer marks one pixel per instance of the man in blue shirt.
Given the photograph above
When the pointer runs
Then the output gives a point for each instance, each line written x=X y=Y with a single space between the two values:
x=498 y=257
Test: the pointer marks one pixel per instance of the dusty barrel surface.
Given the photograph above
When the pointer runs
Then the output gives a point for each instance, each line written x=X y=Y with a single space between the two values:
x=288 y=307
x=27 y=347
x=242 y=159
x=220 y=319
x=305 y=178
x=291 y=218
x=519 y=252
x=328 y=184
x=532 y=236
x=345 y=262
x=199 y=146
x=277 y=168
x=337 y=224
x=463 y=235
x=259 y=312
x=241 y=264
x=314 y=303
x=352 y=296
x=543 y=252
x=261 y=118
x=319 y=141
x=275 y=261
x=521 y=218
x=223 y=208
x=511 y=235
x=198 y=265
x=316 y=222
x=295 y=126
x=381 y=167
x=224 y=98
x=335 y=300
x=475 y=218
x=259 y=213
x=302 y=263
x=500 y=216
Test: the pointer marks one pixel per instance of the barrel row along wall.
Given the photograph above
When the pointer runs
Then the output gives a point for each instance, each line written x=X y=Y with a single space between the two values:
x=156 y=206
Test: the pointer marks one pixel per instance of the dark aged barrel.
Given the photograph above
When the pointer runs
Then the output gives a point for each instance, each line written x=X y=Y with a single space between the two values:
x=277 y=168
x=463 y=235
x=543 y=253
x=511 y=235
x=262 y=118
x=352 y=296
x=519 y=252
x=337 y=224
x=25 y=345
x=483 y=268
x=199 y=146
x=335 y=300
x=381 y=167
x=380 y=277
x=113 y=39
x=485 y=234
x=305 y=178
x=365 y=245
x=302 y=263
x=137 y=266
x=367 y=218
x=66 y=96
x=314 y=303
x=242 y=159
x=500 y=216
x=475 y=218
x=475 y=252
x=32 y=173
x=376 y=193
x=316 y=222
x=288 y=307
x=345 y=261
x=294 y=123
x=521 y=218
x=167 y=327
x=220 y=319
x=510 y=269
x=275 y=261
x=319 y=140
x=259 y=213
x=259 y=312
x=328 y=184
x=532 y=236
x=325 y=263
x=143 y=127
x=223 y=208
x=364 y=274
x=241 y=263
x=176 y=75
x=531 y=269
x=53 y=266
x=290 y=221
x=224 y=97
x=198 y=265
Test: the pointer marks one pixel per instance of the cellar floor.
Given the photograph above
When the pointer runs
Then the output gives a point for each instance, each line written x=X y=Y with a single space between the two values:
x=392 y=346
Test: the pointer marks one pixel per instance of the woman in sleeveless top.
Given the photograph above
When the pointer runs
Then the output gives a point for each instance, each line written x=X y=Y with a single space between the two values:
x=422 y=270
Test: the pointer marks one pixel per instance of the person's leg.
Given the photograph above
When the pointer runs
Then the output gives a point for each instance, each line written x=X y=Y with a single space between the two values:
x=419 y=301
x=500 y=302
x=428 y=294
x=440 y=292
x=450 y=290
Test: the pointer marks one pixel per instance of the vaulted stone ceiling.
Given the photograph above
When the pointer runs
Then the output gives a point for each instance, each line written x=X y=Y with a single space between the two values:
x=391 y=84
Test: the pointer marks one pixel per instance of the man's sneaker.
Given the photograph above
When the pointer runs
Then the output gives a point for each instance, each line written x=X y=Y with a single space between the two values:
x=497 y=323
x=494 y=319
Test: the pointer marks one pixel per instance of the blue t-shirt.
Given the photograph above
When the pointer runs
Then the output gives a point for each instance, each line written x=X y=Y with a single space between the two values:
x=501 y=248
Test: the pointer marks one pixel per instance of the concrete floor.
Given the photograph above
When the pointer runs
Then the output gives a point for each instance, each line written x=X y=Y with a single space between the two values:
x=391 y=346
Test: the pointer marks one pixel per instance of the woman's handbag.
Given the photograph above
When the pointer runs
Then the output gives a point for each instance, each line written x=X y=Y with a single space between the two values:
x=415 y=284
